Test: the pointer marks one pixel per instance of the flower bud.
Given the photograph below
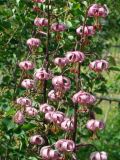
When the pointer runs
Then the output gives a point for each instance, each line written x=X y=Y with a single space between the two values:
x=37 y=139
x=26 y=65
x=83 y=98
x=49 y=154
x=41 y=22
x=67 y=125
x=65 y=145
x=88 y=30
x=28 y=83
x=99 y=156
x=42 y=74
x=95 y=125
x=19 y=118
x=58 y=27
x=31 y=111
x=97 y=10
x=61 y=62
x=33 y=42
x=24 y=101
x=99 y=65
x=61 y=83
x=75 y=56
x=46 y=108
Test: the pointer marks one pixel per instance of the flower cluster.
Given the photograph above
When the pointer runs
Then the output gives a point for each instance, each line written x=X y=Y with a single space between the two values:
x=61 y=84
x=57 y=117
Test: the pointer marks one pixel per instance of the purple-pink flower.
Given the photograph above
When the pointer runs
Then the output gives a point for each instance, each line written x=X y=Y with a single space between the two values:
x=83 y=98
x=65 y=145
x=46 y=108
x=99 y=65
x=41 y=22
x=97 y=10
x=31 y=111
x=99 y=156
x=67 y=124
x=55 y=117
x=42 y=74
x=49 y=154
x=95 y=125
x=37 y=140
x=75 y=56
x=88 y=30
x=33 y=42
x=24 y=101
x=61 y=62
x=54 y=95
x=61 y=83
x=28 y=83
x=26 y=65
x=58 y=27
x=19 y=117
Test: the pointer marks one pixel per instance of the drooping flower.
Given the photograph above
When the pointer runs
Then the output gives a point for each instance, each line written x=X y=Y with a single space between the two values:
x=61 y=62
x=61 y=83
x=67 y=124
x=65 y=145
x=31 y=111
x=98 y=65
x=58 y=27
x=75 y=56
x=37 y=139
x=53 y=95
x=19 y=117
x=46 y=108
x=26 y=65
x=42 y=74
x=28 y=83
x=95 y=125
x=99 y=156
x=88 y=30
x=33 y=42
x=41 y=22
x=49 y=154
x=24 y=101
x=97 y=10
x=83 y=98
x=55 y=117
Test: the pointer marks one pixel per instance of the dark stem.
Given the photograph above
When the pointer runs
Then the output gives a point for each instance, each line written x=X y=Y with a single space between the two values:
x=78 y=86
x=46 y=63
